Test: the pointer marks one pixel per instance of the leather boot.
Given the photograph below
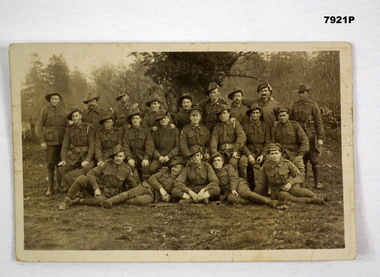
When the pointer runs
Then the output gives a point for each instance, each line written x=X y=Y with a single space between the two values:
x=316 y=173
x=257 y=198
x=316 y=200
x=65 y=204
x=50 y=177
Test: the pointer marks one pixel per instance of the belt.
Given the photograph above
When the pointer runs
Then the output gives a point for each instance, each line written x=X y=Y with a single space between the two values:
x=79 y=149
x=225 y=146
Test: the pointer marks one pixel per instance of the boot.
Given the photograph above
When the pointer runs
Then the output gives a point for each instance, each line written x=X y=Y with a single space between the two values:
x=325 y=197
x=316 y=173
x=50 y=177
x=65 y=204
x=316 y=200
x=106 y=204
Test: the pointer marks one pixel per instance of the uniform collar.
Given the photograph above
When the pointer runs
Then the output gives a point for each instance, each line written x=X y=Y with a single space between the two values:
x=279 y=164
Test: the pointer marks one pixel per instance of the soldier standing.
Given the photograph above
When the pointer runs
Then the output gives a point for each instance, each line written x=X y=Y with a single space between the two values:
x=238 y=109
x=121 y=111
x=185 y=103
x=94 y=111
x=51 y=128
x=308 y=115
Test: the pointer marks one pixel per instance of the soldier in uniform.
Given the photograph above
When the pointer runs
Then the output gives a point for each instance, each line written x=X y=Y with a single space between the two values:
x=195 y=134
x=138 y=144
x=238 y=109
x=292 y=137
x=282 y=179
x=51 y=128
x=102 y=182
x=154 y=105
x=197 y=182
x=185 y=103
x=210 y=106
x=77 y=148
x=266 y=101
x=234 y=189
x=121 y=111
x=166 y=142
x=308 y=115
x=228 y=137
x=256 y=147
x=94 y=111
x=106 y=138
x=157 y=188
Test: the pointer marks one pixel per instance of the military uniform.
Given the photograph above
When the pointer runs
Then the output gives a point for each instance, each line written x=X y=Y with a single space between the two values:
x=192 y=135
x=273 y=178
x=182 y=119
x=78 y=146
x=239 y=111
x=93 y=115
x=139 y=146
x=105 y=140
x=120 y=114
x=294 y=140
x=227 y=138
x=196 y=177
x=209 y=110
x=149 y=119
x=269 y=108
x=166 y=143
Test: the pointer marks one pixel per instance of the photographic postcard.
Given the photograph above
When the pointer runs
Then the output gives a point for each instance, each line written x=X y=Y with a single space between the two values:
x=169 y=231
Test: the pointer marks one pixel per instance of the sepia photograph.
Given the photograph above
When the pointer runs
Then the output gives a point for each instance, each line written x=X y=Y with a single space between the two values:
x=183 y=151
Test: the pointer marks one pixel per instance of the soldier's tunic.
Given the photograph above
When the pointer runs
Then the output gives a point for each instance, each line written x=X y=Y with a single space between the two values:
x=294 y=140
x=239 y=111
x=78 y=146
x=195 y=177
x=308 y=115
x=120 y=114
x=110 y=178
x=166 y=143
x=227 y=138
x=105 y=140
x=138 y=145
x=51 y=128
x=192 y=135
x=269 y=108
x=209 y=110
x=149 y=119
x=93 y=115
x=181 y=119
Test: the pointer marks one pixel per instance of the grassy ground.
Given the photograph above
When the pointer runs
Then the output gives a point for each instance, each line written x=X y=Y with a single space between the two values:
x=180 y=227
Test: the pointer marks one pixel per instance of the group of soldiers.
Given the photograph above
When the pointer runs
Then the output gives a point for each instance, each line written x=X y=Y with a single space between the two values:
x=251 y=151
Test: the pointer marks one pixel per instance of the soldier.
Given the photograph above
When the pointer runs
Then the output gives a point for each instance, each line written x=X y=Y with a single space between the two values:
x=291 y=136
x=157 y=188
x=51 y=127
x=185 y=103
x=210 y=106
x=234 y=189
x=94 y=111
x=267 y=102
x=166 y=142
x=121 y=111
x=283 y=180
x=195 y=134
x=106 y=138
x=77 y=148
x=308 y=115
x=102 y=182
x=238 y=109
x=154 y=105
x=197 y=181
x=138 y=144
x=228 y=137
x=256 y=147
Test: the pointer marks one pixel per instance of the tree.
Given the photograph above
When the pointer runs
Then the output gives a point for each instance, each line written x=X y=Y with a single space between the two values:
x=78 y=87
x=58 y=76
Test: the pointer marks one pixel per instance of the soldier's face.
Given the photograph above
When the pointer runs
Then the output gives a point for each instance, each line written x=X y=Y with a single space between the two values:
x=255 y=115
x=283 y=117
x=108 y=124
x=264 y=94
x=119 y=157
x=224 y=115
x=76 y=117
x=303 y=95
x=136 y=120
x=186 y=104
x=176 y=169
x=54 y=100
x=164 y=121
x=214 y=95
x=154 y=106
x=237 y=97
x=197 y=158
x=217 y=162
x=195 y=117
x=275 y=155
x=124 y=99
x=92 y=103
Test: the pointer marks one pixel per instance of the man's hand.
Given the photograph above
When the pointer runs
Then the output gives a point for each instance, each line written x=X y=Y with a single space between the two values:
x=43 y=146
x=234 y=192
x=163 y=192
x=235 y=155
x=287 y=187
x=131 y=162
x=320 y=142
x=154 y=128
x=172 y=126
x=251 y=159
x=260 y=159
x=162 y=159
x=100 y=163
x=97 y=192
x=193 y=195
x=62 y=163
x=206 y=156
x=84 y=163
x=144 y=163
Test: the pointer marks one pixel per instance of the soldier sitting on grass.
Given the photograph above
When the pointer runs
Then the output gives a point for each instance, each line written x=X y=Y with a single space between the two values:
x=102 y=182
x=281 y=178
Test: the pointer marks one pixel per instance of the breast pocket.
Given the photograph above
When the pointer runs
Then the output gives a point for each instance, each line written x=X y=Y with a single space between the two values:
x=284 y=174
x=290 y=137
x=138 y=141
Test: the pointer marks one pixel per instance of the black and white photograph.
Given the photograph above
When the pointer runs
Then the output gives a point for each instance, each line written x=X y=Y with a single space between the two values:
x=173 y=152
